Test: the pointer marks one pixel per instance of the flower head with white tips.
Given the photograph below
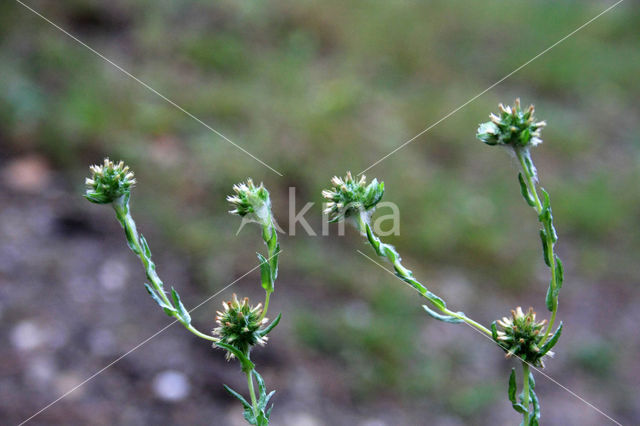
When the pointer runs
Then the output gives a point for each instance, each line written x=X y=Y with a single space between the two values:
x=349 y=196
x=522 y=336
x=252 y=202
x=108 y=182
x=239 y=325
x=513 y=126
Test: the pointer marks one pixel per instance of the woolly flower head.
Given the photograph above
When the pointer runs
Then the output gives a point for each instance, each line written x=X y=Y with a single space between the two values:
x=349 y=196
x=252 y=201
x=513 y=127
x=521 y=335
x=108 y=182
x=239 y=325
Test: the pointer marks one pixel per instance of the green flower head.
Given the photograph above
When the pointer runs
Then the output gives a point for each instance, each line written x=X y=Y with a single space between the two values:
x=252 y=201
x=239 y=325
x=108 y=182
x=513 y=127
x=349 y=196
x=521 y=336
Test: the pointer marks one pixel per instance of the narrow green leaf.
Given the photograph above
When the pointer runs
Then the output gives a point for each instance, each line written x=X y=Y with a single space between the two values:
x=271 y=326
x=146 y=251
x=512 y=386
x=266 y=401
x=262 y=419
x=546 y=202
x=435 y=299
x=238 y=396
x=552 y=341
x=525 y=191
x=494 y=331
x=373 y=240
x=531 y=170
x=535 y=419
x=274 y=263
x=445 y=318
x=545 y=248
x=389 y=252
x=250 y=417
x=262 y=388
x=532 y=381
x=169 y=310
x=265 y=274
x=245 y=362
x=559 y=273
x=519 y=408
x=183 y=314
x=550 y=299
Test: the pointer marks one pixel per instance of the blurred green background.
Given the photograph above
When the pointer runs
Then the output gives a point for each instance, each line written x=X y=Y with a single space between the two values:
x=315 y=89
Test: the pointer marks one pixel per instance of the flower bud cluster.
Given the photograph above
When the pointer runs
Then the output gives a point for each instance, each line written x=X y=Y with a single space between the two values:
x=239 y=325
x=348 y=196
x=108 y=182
x=251 y=201
x=522 y=336
x=513 y=127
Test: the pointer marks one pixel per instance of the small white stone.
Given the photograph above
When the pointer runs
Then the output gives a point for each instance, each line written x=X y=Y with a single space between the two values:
x=113 y=275
x=302 y=419
x=102 y=342
x=171 y=385
x=27 y=335
x=373 y=422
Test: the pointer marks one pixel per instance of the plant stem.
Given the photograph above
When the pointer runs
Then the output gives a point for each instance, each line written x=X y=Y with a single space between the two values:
x=121 y=207
x=266 y=305
x=525 y=391
x=524 y=158
x=200 y=334
x=270 y=238
x=362 y=223
x=254 y=401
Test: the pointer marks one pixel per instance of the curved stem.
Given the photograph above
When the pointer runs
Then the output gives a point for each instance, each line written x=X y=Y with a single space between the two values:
x=121 y=207
x=200 y=334
x=525 y=391
x=387 y=251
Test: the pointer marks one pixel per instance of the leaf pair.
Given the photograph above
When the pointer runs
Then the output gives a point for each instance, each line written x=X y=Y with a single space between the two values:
x=258 y=416
x=180 y=313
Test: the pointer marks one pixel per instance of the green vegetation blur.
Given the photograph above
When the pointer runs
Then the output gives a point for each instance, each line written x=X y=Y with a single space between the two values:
x=318 y=88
